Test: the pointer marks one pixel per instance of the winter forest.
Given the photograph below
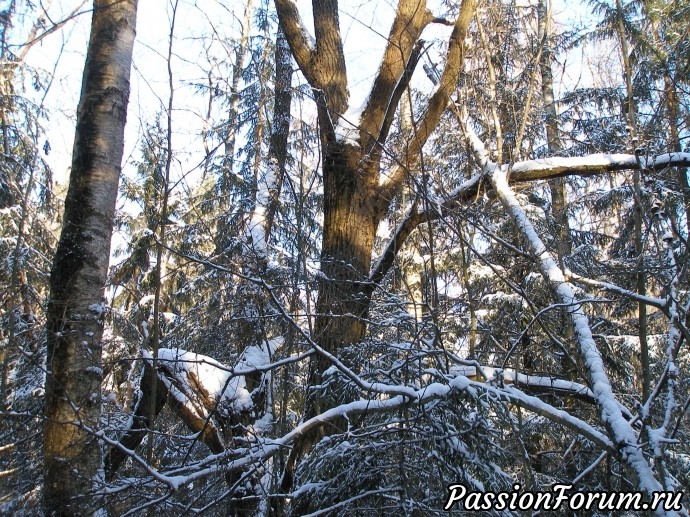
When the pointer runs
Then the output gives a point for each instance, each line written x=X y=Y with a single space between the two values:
x=281 y=258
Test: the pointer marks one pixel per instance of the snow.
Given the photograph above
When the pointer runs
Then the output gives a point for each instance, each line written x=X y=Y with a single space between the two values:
x=620 y=430
x=146 y=300
x=484 y=272
x=98 y=309
x=460 y=383
x=215 y=380
x=591 y=164
x=347 y=128
x=654 y=302
x=256 y=235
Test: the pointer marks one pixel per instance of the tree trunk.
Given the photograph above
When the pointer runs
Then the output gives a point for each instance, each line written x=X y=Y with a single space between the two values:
x=350 y=221
x=355 y=197
x=230 y=139
x=557 y=185
x=641 y=281
x=278 y=152
x=673 y=118
x=76 y=306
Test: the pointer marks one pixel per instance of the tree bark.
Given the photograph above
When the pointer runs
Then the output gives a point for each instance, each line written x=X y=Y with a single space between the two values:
x=76 y=305
x=355 y=198
x=278 y=152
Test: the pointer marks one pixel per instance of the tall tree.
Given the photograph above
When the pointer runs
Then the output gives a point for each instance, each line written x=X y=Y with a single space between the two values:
x=356 y=194
x=78 y=276
x=559 y=199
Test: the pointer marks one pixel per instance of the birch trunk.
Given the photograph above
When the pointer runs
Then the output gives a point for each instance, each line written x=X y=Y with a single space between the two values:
x=76 y=306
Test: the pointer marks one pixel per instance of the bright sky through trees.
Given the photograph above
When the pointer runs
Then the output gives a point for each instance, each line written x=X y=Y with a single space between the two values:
x=364 y=24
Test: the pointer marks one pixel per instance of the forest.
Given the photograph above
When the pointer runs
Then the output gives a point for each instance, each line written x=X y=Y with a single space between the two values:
x=290 y=258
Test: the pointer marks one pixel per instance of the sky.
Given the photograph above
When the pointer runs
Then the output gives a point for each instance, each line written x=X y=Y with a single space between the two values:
x=364 y=25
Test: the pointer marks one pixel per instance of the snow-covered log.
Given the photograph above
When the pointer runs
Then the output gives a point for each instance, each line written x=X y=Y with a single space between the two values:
x=212 y=399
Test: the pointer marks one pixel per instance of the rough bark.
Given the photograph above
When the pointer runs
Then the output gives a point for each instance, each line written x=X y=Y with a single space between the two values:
x=355 y=201
x=321 y=60
x=78 y=276
x=455 y=58
x=672 y=112
x=350 y=222
x=411 y=18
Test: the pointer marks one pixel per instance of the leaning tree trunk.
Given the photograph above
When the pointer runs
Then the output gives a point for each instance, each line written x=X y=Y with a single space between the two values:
x=76 y=308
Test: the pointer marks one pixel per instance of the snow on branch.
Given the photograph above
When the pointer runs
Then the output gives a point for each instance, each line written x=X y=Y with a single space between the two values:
x=592 y=164
x=264 y=448
x=198 y=388
x=607 y=286
x=619 y=429
x=204 y=383
x=525 y=171
x=534 y=383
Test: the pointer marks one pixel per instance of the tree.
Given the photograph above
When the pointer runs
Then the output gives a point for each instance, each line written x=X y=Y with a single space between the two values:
x=356 y=197
x=76 y=308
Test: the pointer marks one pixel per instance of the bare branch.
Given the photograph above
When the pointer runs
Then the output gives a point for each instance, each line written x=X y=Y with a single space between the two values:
x=410 y=19
x=441 y=97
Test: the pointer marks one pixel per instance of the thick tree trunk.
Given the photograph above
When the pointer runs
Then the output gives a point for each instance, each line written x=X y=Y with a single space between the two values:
x=76 y=308
x=355 y=196
x=351 y=218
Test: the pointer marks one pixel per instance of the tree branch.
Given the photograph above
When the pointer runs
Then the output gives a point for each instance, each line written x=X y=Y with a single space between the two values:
x=591 y=165
x=439 y=100
x=403 y=83
x=522 y=172
x=301 y=42
x=620 y=431
x=410 y=19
